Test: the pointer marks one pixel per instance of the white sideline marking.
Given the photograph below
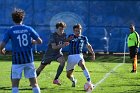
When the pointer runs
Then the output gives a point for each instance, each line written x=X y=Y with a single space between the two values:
x=107 y=75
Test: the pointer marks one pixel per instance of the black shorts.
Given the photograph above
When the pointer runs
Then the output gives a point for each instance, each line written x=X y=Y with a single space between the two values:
x=47 y=59
x=133 y=51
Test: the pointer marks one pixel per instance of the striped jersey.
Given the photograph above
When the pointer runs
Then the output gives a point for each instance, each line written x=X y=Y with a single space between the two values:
x=21 y=36
x=76 y=44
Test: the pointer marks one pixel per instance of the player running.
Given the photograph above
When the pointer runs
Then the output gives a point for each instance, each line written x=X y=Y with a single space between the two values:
x=22 y=38
x=53 y=53
x=75 y=54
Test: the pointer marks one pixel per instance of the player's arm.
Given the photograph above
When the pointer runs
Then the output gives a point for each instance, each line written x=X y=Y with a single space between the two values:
x=35 y=37
x=90 y=49
x=4 y=42
x=54 y=46
x=137 y=39
x=2 y=49
x=38 y=41
x=70 y=37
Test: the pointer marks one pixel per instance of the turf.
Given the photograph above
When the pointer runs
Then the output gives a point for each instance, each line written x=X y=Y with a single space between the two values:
x=118 y=81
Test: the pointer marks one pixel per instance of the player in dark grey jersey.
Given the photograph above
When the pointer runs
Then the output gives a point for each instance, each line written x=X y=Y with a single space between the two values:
x=56 y=43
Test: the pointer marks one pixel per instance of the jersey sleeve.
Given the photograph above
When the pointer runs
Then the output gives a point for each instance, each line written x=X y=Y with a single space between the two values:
x=34 y=34
x=6 y=37
x=86 y=40
x=70 y=35
x=137 y=39
x=52 y=39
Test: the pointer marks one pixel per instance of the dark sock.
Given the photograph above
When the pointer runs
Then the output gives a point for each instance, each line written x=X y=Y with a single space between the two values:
x=37 y=73
x=59 y=71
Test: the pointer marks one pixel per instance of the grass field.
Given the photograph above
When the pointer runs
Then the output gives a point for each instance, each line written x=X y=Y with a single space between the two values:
x=108 y=73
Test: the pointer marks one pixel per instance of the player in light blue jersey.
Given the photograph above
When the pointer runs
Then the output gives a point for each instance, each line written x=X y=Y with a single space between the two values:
x=22 y=38
x=75 y=54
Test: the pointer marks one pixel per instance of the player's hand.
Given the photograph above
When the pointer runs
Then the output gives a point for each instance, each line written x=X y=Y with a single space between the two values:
x=70 y=38
x=33 y=42
x=93 y=56
x=3 y=51
x=66 y=43
x=137 y=49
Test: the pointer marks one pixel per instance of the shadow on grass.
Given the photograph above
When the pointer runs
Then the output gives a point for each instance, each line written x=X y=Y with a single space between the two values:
x=131 y=91
x=5 y=88
x=49 y=90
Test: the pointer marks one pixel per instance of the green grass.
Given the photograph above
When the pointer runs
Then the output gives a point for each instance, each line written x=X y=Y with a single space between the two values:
x=119 y=81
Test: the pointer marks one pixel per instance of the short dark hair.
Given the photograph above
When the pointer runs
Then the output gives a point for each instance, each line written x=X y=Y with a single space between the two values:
x=60 y=24
x=18 y=15
x=77 y=26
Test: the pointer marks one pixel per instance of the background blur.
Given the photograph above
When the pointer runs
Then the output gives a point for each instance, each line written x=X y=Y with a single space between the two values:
x=105 y=23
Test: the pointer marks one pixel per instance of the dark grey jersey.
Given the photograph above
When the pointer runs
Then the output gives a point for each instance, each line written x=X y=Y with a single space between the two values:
x=57 y=39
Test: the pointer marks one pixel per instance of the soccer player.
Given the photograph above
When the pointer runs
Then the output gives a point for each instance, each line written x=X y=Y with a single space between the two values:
x=56 y=42
x=22 y=38
x=75 y=54
x=133 y=44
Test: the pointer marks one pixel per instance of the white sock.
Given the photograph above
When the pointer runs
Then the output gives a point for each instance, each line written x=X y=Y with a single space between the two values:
x=72 y=79
x=15 y=90
x=86 y=74
x=36 y=89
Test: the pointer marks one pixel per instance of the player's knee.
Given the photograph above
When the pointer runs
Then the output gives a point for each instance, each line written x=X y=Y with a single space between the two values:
x=62 y=63
x=34 y=85
x=83 y=67
x=68 y=75
x=41 y=67
x=33 y=82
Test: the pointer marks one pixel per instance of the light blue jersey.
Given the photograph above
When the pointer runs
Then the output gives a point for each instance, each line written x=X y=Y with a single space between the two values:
x=21 y=36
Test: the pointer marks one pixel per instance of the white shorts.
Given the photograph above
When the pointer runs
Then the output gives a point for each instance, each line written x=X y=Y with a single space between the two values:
x=73 y=60
x=29 y=71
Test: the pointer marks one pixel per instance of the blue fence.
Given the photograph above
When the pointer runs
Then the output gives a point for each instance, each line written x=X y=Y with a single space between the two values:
x=105 y=23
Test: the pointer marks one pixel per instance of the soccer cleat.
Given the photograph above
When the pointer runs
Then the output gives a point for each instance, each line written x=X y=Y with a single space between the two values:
x=74 y=83
x=56 y=82
x=133 y=71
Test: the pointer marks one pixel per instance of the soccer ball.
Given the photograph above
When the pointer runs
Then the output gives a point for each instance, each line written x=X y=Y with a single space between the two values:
x=88 y=87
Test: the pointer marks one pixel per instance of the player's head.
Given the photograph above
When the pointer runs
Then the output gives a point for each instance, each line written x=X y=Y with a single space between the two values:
x=77 y=28
x=132 y=27
x=18 y=15
x=60 y=24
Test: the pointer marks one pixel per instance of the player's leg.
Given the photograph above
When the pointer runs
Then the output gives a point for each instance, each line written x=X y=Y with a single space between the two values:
x=135 y=63
x=133 y=57
x=85 y=70
x=15 y=84
x=45 y=61
x=16 y=74
x=60 y=68
x=39 y=69
x=30 y=73
x=34 y=84
x=72 y=61
x=71 y=77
